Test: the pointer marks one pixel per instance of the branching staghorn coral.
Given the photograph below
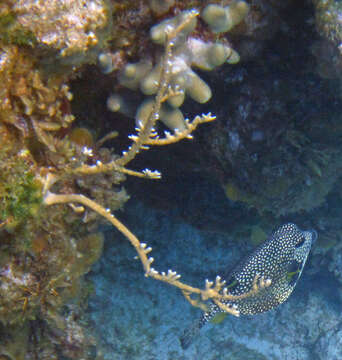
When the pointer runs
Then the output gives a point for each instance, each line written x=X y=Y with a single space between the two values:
x=146 y=135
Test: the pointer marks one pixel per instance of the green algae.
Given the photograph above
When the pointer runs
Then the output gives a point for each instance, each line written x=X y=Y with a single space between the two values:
x=13 y=33
x=19 y=191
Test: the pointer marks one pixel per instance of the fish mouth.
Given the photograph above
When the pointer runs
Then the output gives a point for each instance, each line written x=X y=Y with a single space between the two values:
x=314 y=235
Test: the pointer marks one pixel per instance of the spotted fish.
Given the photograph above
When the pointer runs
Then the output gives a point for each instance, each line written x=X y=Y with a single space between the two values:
x=281 y=258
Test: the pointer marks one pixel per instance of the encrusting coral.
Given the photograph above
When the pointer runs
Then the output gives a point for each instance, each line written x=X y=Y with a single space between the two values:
x=70 y=29
x=328 y=49
x=28 y=100
x=43 y=258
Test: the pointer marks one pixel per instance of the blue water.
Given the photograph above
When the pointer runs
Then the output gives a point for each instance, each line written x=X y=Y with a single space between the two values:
x=140 y=318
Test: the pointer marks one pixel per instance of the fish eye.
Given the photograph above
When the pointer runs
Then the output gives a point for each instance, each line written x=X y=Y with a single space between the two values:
x=300 y=242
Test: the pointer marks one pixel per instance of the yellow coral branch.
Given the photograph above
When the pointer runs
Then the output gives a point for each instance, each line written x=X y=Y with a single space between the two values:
x=146 y=128
x=112 y=135
x=180 y=135
x=216 y=292
x=50 y=199
x=113 y=166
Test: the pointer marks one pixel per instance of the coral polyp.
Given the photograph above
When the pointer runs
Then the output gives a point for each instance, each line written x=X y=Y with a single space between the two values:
x=222 y=19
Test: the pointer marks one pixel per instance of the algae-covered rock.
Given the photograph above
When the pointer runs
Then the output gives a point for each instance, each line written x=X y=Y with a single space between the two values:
x=69 y=29
x=328 y=14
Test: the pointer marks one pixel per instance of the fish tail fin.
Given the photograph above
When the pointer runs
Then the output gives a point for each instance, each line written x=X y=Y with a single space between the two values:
x=190 y=333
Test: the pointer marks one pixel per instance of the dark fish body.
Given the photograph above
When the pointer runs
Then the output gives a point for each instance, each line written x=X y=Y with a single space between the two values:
x=281 y=258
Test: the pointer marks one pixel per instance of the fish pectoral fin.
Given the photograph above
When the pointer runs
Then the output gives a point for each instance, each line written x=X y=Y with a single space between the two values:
x=218 y=318
x=293 y=273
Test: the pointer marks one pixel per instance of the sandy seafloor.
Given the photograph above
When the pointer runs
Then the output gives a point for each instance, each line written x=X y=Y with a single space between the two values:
x=139 y=318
